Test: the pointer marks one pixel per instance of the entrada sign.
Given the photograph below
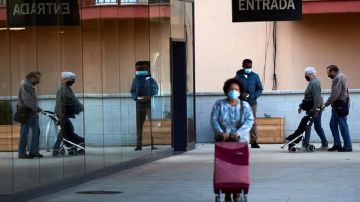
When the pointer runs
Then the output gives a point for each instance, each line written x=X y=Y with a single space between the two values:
x=266 y=10
x=42 y=13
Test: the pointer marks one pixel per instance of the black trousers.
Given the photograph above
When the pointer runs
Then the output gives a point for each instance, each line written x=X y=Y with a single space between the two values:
x=67 y=132
x=142 y=109
x=301 y=128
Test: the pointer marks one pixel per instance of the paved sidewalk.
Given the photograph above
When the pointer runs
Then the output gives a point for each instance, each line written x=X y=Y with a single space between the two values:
x=276 y=175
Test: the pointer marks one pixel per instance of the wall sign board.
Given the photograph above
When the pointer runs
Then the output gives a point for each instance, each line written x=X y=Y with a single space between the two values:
x=266 y=10
x=23 y=13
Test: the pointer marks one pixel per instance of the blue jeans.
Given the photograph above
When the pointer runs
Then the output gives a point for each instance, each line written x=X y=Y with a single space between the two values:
x=337 y=122
x=319 y=130
x=33 y=124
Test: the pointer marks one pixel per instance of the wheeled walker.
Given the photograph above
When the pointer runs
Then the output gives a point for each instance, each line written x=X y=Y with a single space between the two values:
x=74 y=145
x=297 y=137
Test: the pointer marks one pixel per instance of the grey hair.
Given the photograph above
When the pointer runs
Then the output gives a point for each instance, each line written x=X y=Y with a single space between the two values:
x=310 y=70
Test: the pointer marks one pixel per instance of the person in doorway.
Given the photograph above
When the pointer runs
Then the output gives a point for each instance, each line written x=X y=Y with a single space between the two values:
x=142 y=89
x=232 y=119
x=313 y=94
x=339 y=101
x=66 y=107
x=252 y=90
x=27 y=99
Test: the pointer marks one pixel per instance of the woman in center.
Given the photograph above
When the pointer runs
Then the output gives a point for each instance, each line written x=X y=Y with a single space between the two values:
x=232 y=119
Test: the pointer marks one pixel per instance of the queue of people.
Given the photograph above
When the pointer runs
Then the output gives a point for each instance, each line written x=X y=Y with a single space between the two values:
x=232 y=118
x=67 y=105
x=225 y=120
x=143 y=88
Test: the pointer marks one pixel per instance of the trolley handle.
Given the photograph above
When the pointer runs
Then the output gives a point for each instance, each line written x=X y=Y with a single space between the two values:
x=48 y=112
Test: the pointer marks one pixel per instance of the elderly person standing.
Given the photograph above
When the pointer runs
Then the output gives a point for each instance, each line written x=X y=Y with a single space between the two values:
x=27 y=101
x=67 y=105
x=313 y=93
x=231 y=119
x=339 y=101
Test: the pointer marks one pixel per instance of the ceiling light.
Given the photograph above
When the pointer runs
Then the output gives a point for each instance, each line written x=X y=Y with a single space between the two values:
x=17 y=28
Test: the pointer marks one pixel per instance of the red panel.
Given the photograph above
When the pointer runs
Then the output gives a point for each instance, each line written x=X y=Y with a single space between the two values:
x=323 y=7
x=3 y=14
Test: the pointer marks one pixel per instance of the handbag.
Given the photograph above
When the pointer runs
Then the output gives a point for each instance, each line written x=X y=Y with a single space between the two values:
x=342 y=107
x=22 y=114
x=307 y=104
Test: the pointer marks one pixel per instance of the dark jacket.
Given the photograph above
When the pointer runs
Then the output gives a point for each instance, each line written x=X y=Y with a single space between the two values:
x=252 y=85
x=67 y=105
x=27 y=96
x=143 y=86
x=312 y=95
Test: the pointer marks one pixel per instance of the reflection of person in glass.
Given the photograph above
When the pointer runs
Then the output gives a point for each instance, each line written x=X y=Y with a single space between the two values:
x=27 y=99
x=142 y=89
x=67 y=105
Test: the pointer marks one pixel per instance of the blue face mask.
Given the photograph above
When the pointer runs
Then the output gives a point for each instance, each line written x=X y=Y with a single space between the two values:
x=233 y=94
x=247 y=71
x=141 y=73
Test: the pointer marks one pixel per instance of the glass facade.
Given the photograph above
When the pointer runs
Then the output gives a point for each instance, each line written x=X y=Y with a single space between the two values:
x=106 y=52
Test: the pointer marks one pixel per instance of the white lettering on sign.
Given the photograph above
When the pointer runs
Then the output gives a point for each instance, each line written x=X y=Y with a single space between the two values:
x=245 y=5
x=42 y=9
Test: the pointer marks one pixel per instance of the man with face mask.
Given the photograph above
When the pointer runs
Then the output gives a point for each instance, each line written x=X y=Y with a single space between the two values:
x=339 y=96
x=142 y=89
x=313 y=93
x=66 y=107
x=253 y=89
x=27 y=99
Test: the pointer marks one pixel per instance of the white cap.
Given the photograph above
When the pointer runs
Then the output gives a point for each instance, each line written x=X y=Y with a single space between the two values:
x=310 y=70
x=67 y=75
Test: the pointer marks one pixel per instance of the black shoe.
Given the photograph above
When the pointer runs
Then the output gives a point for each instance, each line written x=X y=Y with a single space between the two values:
x=24 y=156
x=344 y=150
x=335 y=148
x=138 y=148
x=227 y=198
x=36 y=155
x=255 y=145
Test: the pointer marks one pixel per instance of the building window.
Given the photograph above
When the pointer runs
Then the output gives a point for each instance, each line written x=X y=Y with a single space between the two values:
x=100 y=2
x=2 y=2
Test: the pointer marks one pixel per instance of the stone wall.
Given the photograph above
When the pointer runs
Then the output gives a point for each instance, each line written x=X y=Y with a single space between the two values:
x=278 y=104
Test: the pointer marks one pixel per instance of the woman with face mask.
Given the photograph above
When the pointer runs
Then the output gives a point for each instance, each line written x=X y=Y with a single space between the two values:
x=231 y=119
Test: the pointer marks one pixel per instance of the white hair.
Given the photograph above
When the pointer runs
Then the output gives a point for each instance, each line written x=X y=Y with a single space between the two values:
x=67 y=75
x=310 y=70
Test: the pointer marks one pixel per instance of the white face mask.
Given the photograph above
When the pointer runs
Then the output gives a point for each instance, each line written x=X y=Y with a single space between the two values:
x=248 y=71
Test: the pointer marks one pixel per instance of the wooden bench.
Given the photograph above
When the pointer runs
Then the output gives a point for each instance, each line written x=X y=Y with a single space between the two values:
x=161 y=132
x=270 y=130
x=9 y=137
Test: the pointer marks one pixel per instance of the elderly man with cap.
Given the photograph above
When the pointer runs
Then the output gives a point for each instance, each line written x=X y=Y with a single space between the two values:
x=67 y=105
x=313 y=94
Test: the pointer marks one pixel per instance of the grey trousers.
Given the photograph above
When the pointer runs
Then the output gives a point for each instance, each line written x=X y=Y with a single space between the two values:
x=253 y=131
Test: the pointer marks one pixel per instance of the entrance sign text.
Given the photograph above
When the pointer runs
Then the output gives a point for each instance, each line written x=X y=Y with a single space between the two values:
x=266 y=10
